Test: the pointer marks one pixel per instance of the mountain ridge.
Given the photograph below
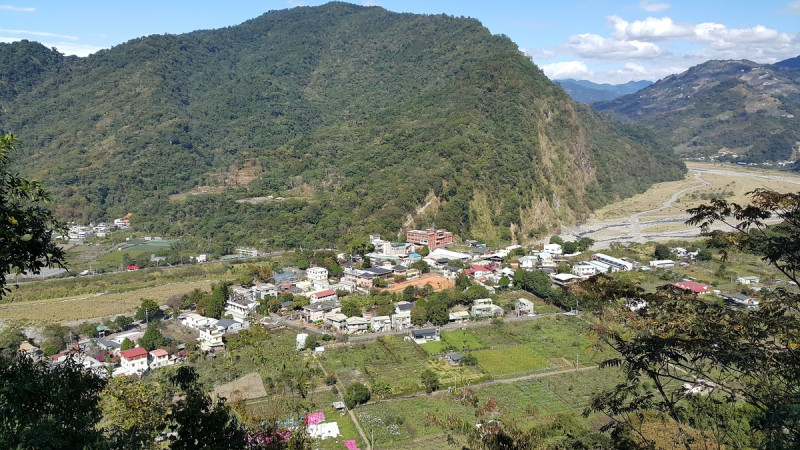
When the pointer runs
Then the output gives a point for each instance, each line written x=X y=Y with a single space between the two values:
x=739 y=106
x=585 y=91
x=354 y=114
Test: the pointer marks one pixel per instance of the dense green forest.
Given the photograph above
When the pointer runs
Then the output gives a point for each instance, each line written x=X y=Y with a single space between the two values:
x=355 y=115
x=743 y=106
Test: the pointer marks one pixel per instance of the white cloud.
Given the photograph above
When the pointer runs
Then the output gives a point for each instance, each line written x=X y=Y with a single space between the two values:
x=370 y=3
x=655 y=47
x=40 y=34
x=792 y=9
x=17 y=8
x=66 y=48
x=566 y=69
x=538 y=53
x=653 y=6
x=595 y=46
x=294 y=3
x=650 y=29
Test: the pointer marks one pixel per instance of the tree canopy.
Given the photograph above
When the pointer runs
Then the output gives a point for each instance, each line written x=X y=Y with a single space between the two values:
x=741 y=366
x=27 y=227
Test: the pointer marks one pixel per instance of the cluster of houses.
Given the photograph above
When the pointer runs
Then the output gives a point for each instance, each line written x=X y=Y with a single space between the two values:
x=80 y=232
x=134 y=361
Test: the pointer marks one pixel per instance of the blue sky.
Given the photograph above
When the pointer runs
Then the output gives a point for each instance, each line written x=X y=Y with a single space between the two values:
x=600 y=40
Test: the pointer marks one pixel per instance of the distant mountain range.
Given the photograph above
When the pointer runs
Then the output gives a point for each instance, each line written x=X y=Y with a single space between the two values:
x=791 y=62
x=751 y=109
x=588 y=92
x=354 y=115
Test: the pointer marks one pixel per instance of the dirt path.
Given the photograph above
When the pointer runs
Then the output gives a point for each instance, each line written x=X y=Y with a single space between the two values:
x=635 y=226
x=349 y=411
x=419 y=211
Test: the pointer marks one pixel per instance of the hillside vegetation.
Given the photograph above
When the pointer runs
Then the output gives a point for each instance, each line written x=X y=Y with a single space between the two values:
x=751 y=109
x=355 y=115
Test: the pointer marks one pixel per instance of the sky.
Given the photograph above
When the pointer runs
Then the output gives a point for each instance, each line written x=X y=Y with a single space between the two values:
x=605 y=41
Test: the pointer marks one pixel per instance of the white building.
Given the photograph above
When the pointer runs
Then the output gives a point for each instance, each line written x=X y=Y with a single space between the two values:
x=528 y=262
x=356 y=324
x=380 y=323
x=747 y=280
x=210 y=339
x=459 y=316
x=158 y=358
x=194 y=320
x=240 y=309
x=264 y=290
x=662 y=263
x=563 y=279
x=524 y=306
x=401 y=321
x=554 y=249
x=133 y=361
x=323 y=296
x=337 y=321
x=616 y=264
x=584 y=270
x=318 y=276
x=485 y=307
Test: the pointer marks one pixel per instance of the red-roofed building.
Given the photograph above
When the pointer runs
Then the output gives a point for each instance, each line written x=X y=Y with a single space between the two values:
x=478 y=271
x=133 y=360
x=321 y=296
x=132 y=267
x=159 y=358
x=694 y=287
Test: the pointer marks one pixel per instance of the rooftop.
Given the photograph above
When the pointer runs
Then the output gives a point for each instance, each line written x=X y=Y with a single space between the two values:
x=133 y=353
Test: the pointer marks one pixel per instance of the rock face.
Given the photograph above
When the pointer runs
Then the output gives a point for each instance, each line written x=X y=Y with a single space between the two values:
x=351 y=115
x=750 y=109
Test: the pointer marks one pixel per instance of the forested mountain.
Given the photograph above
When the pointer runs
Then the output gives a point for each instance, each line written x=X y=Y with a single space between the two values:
x=791 y=62
x=356 y=115
x=588 y=92
x=751 y=109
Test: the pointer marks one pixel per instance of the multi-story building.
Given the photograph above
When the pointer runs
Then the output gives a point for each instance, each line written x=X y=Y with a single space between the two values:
x=133 y=360
x=430 y=237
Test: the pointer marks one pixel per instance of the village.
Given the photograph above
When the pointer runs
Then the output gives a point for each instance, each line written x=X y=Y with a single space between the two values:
x=316 y=305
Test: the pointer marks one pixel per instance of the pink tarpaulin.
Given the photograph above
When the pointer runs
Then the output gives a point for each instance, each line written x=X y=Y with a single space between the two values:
x=351 y=445
x=315 y=418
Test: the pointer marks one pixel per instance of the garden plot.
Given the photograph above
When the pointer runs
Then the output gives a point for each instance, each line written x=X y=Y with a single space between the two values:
x=510 y=361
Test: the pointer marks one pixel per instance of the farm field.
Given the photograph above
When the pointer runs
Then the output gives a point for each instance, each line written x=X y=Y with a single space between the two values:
x=395 y=363
x=547 y=343
x=401 y=423
x=276 y=407
x=92 y=306
x=84 y=298
x=506 y=350
x=518 y=359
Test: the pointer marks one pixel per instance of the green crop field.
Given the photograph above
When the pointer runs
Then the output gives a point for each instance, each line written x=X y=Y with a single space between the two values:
x=516 y=360
x=397 y=423
x=463 y=340
x=434 y=347
x=395 y=362
x=401 y=423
